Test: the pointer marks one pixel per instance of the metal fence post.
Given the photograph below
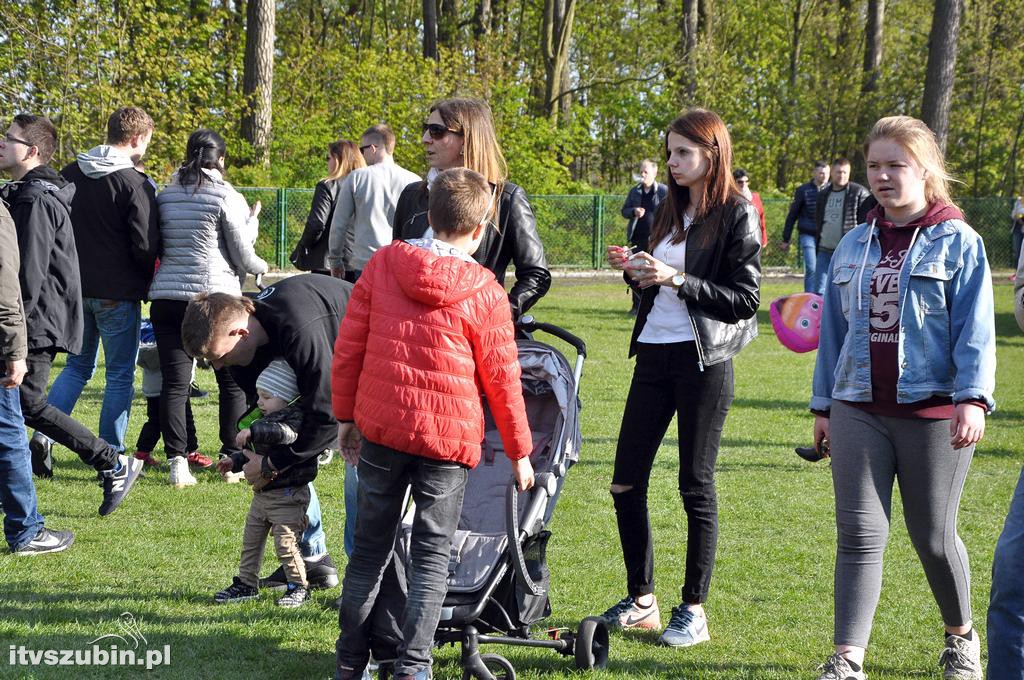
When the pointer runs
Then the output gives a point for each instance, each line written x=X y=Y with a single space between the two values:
x=282 y=227
x=595 y=229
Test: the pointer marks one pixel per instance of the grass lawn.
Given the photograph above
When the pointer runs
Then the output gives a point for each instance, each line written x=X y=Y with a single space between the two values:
x=165 y=552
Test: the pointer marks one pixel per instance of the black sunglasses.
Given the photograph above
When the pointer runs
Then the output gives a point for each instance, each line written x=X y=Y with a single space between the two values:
x=437 y=131
x=11 y=138
x=363 y=148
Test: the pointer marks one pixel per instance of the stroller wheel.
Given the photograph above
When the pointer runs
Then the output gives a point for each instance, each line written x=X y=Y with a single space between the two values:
x=591 y=644
x=500 y=667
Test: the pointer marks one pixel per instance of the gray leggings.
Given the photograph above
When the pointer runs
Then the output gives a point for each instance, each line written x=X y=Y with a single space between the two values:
x=868 y=453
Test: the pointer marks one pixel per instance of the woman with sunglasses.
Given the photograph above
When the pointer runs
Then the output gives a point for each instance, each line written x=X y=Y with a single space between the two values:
x=460 y=133
x=310 y=254
x=700 y=295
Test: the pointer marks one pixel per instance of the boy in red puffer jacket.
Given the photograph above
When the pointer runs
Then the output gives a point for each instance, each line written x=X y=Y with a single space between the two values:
x=426 y=329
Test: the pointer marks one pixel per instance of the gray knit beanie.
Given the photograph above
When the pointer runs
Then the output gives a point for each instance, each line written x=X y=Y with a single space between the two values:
x=278 y=379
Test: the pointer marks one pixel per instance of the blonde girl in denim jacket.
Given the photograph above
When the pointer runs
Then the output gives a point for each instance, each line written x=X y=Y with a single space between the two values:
x=903 y=381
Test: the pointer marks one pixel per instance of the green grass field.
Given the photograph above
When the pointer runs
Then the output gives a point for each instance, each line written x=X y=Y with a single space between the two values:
x=165 y=552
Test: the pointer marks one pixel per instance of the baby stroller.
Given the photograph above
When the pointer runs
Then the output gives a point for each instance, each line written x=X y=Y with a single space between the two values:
x=498 y=576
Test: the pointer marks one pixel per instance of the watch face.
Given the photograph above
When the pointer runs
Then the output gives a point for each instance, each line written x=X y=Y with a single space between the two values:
x=678 y=280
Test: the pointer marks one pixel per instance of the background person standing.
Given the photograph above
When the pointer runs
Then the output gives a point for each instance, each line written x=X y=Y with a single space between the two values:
x=801 y=214
x=640 y=207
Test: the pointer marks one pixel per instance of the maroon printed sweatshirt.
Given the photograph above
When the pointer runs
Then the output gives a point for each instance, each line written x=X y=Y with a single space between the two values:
x=886 y=296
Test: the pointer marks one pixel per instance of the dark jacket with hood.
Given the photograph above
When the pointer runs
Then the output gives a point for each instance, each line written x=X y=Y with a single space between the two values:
x=40 y=204
x=515 y=241
x=722 y=285
x=279 y=430
x=117 y=225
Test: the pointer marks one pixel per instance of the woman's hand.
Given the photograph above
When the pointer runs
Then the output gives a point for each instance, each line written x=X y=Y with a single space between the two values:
x=617 y=256
x=967 y=426
x=822 y=427
x=649 y=271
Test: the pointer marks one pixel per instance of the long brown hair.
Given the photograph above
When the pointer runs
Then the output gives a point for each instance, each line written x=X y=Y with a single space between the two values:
x=480 y=148
x=347 y=155
x=705 y=129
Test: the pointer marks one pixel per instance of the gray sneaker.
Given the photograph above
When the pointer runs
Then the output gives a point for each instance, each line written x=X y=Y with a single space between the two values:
x=838 y=668
x=686 y=628
x=962 y=658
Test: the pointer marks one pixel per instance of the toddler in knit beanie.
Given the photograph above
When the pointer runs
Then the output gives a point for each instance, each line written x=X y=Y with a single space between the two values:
x=276 y=382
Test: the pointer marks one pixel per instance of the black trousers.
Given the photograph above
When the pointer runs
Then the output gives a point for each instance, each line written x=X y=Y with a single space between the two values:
x=176 y=370
x=149 y=435
x=53 y=422
x=667 y=382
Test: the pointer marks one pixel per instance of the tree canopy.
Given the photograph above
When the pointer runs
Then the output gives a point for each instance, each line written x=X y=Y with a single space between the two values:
x=581 y=91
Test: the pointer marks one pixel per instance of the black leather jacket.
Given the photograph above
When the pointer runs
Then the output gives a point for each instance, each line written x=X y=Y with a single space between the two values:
x=515 y=241
x=722 y=286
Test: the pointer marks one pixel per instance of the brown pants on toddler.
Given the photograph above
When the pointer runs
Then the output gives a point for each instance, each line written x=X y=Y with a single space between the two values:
x=283 y=513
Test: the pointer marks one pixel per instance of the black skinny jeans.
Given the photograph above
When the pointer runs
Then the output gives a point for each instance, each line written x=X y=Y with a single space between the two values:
x=149 y=435
x=54 y=423
x=176 y=370
x=667 y=382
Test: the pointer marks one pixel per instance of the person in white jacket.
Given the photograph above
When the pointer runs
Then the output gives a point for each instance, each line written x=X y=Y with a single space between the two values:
x=207 y=232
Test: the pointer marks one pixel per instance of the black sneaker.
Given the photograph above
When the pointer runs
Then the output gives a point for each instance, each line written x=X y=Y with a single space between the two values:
x=116 y=485
x=42 y=456
x=320 y=575
x=809 y=453
x=196 y=392
x=295 y=596
x=47 y=541
x=236 y=592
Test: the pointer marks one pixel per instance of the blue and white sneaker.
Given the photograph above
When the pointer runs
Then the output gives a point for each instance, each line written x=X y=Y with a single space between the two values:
x=686 y=628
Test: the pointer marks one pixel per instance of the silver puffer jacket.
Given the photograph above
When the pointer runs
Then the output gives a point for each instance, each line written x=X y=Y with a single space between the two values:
x=207 y=240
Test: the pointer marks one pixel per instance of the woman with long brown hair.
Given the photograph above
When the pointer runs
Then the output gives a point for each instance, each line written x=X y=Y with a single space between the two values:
x=460 y=133
x=700 y=293
x=310 y=252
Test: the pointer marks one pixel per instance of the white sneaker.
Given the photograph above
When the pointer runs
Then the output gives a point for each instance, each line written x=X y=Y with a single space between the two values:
x=626 y=613
x=180 y=474
x=838 y=668
x=962 y=658
x=686 y=628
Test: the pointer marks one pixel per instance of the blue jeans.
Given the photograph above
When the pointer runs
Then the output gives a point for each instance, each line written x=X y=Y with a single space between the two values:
x=808 y=249
x=821 y=265
x=1006 y=604
x=115 y=323
x=22 y=520
x=351 y=503
x=438 y=488
x=313 y=542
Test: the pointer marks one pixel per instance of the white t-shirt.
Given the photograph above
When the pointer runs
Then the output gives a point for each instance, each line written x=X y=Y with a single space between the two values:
x=669 y=320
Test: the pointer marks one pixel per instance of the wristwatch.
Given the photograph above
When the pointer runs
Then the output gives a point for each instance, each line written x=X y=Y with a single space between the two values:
x=678 y=280
x=267 y=472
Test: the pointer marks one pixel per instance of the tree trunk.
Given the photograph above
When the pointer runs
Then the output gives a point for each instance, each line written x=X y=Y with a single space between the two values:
x=705 y=19
x=938 y=80
x=258 y=78
x=870 y=72
x=995 y=38
x=782 y=165
x=556 y=33
x=482 y=19
x=448 y=24
x=688 y=78
x=430 y=29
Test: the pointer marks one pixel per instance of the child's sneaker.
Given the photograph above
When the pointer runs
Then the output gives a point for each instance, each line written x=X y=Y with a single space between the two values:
x=962 y=657
x=236 y=592
x=838 y=667
x=147 y=458
x=686 y=628
x=626 y=613
x=295 y=596
x=180 y=475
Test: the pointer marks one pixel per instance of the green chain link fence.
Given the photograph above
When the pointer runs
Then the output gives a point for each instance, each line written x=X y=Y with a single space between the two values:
x=575 y=229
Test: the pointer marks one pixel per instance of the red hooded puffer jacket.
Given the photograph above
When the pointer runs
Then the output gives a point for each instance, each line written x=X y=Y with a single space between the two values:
x=421 y=336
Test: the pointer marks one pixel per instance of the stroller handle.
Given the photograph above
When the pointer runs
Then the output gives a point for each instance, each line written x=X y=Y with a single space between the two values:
x=543 y=489
x=529 y=324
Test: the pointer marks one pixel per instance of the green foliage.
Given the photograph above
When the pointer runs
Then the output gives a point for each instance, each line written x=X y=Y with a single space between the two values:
x=345 y=64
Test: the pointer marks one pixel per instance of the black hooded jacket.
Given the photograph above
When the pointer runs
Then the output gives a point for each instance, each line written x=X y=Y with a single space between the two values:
x=40 y=204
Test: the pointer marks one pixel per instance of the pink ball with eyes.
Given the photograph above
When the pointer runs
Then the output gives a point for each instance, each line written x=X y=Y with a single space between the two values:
x=796 y=320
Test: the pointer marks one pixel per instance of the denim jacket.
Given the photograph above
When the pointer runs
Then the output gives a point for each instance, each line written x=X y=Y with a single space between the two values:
x=947 y=321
